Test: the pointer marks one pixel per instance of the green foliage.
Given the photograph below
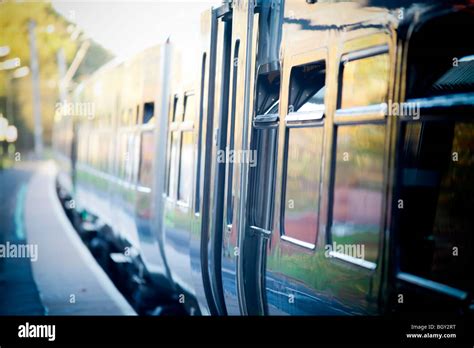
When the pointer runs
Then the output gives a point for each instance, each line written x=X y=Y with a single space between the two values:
x=53 y=32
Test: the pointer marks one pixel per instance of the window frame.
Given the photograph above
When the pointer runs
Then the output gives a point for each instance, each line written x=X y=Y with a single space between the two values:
x=353 y=116
x=184 y=126
x=361 y=113
x=369 y=265
x=294 y=120
x=432 y=109
x=173 y=126
x=265 y=121
x=176 y=128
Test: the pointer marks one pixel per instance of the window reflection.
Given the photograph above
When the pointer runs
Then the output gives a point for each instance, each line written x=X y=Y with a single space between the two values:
x=307 y=88
x=262 y=177
x=128 y=157
x=365 y=81
x=148 y=112
x=357 y=204
x=173 y=177
x=189 y=108
x=303 y=182
x=146 y=159
x=435 y=228
x=314 y=103
x=122 y=154
x=186 y=167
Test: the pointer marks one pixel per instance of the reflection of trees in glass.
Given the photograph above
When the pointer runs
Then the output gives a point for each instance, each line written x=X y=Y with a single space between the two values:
x=358 y=184
x=312 y=271
x=452 y=225
x=186 y=167
x=302 y=184
x=173 y=175
x=365 y=81
x=359 y=156
x=147 y=147
x=304 y=165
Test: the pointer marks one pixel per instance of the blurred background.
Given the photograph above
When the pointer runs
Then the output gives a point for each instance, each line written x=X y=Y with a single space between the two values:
x=40 y=41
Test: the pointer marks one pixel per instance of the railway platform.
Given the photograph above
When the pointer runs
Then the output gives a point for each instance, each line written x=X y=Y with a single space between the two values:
x=68 y=279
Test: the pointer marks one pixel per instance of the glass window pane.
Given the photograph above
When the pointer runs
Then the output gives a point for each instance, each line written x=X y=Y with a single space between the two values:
x=303 y=182
x=358 y=187
x=189 y=108
x=175 y=108
x=148 y=112
x=186 y=167
x=435 y=224
x=314 y=103
x=146 y=159
x=130 y=118
x=262 y=175
x=268 y=92
x=129 y=155
x=173 y=175
x=120 y=155
x=307 y=88
x=365 y=81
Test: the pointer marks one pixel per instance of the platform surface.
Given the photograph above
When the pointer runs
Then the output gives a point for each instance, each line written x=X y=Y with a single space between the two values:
x=69 y=280
x=18 y=292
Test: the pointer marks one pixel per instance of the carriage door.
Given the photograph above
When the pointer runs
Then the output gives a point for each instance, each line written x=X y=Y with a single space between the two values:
x=210 y=166
x=219 y=155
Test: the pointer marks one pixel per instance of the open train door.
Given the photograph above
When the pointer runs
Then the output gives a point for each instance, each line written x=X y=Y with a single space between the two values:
x=216 y=30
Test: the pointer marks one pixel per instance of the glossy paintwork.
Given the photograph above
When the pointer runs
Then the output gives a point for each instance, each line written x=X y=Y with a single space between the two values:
x=265 y=269
x=301 y=280
x=109 y=146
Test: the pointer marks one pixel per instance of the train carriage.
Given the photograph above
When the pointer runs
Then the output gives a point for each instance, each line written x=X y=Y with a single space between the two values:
x=319 y=164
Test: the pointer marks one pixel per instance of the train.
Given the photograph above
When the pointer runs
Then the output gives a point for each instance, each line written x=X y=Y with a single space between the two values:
x=319 y=162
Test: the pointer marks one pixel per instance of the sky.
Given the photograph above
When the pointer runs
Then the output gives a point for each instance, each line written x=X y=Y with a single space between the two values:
x=127 y=27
